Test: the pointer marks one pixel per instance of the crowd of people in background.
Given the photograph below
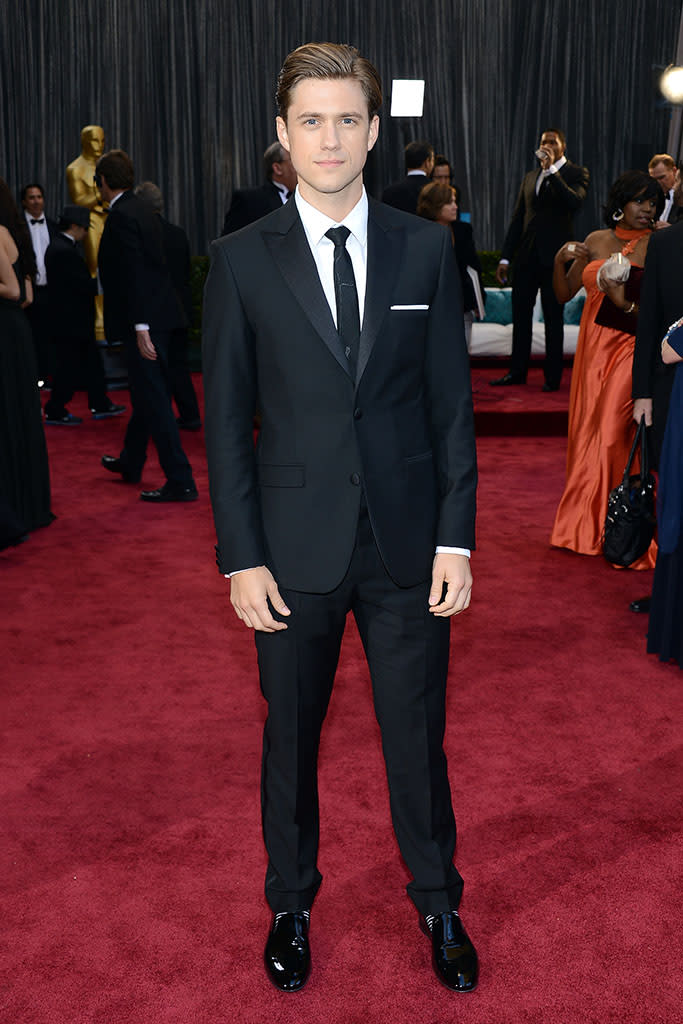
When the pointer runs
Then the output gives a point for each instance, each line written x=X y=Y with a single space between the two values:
x=49 y=347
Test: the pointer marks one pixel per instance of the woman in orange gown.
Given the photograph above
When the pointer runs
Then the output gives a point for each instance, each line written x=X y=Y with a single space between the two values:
x=600 y=405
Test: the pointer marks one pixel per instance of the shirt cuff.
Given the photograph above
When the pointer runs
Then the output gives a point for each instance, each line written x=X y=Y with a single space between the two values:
x=142 y=327
x=453 y=551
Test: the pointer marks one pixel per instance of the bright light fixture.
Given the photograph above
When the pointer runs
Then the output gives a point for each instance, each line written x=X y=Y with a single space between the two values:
x=407 y=97
x=671 y=84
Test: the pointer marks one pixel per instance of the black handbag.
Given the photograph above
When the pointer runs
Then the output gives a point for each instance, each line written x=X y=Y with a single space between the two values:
x=630 y=522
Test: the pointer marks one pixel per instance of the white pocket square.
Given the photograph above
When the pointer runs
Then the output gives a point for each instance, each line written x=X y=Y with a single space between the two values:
x=409 y=307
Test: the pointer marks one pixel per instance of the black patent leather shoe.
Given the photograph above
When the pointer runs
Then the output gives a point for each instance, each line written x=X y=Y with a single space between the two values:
x=454 y=958
x=170 y=492
x=641 y=605
x=114 y=465
x=287 y=955
x=550 y=387
x=508 y=378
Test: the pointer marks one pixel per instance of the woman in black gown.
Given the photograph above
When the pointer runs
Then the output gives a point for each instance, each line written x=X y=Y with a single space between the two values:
x=24 y=473
x=665 y=630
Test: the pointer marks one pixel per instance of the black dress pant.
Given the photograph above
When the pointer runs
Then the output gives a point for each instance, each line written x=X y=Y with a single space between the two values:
x=182 y=388
x=530 y=276
x=152 y=417
x=79 y=362
x=407 y=652
x=38 y=313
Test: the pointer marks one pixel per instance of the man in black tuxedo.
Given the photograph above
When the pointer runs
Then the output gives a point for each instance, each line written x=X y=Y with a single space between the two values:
x=141 y=309
x=662 y=168
x=661 y=304
x=42 y=230
x=250 y=204
x=419 y=161
x=359 y=495
x=541 y=223
x=177 y=252
x=71 y=291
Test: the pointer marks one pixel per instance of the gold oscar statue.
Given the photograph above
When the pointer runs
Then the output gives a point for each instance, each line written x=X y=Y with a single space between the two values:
x=80 y=178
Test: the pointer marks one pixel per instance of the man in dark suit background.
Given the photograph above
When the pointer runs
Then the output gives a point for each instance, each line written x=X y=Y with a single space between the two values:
x=250 y=204
x=663 y=169
x=419 y=162
x=71 y=291
x=541 y=223
x=41 y=229
x=141 y=309
x=359 y=495
x=177 y=251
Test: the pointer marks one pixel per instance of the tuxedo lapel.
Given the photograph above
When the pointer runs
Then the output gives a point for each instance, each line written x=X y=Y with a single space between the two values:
x=385 y=249
x=289 y=248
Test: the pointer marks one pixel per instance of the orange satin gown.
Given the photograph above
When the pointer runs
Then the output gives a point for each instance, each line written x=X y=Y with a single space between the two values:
x=600 y=429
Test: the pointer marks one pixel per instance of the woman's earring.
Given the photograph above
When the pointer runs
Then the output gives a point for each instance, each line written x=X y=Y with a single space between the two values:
x=618 y=214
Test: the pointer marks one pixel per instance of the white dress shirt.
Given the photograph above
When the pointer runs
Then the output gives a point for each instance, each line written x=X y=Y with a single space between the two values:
x=40 y=239
x=315 y=225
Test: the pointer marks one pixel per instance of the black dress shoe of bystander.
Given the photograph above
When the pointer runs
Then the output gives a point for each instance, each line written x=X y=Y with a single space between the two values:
x=508 y=378
x=287 y=955
x=170 y=492
x=453 y=956
x=114 y=465
x=641 y=605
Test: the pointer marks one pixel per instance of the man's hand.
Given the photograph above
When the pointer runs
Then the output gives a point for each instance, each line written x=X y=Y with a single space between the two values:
x=661 y=224
x=643 y=407
x=502 y=273
x=547 y=159
x=250 y=592
x=453 y=570
x=145 y=346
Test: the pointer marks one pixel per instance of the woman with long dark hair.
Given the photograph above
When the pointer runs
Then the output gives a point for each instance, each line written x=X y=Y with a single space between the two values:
x=24 y=473
x=609 y=264
x=440 y=202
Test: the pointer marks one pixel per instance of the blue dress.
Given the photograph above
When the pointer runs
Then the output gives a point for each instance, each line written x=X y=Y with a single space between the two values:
x=666 y=608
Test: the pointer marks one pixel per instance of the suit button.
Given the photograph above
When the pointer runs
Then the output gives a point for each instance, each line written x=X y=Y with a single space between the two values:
x=355 y=479
x=357 y=413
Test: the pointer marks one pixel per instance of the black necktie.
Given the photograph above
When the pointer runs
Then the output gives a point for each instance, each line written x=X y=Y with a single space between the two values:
x=348 y=317
x=41 y=221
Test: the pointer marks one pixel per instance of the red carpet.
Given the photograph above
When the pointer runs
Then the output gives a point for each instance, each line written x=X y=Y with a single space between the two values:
x=131 y=863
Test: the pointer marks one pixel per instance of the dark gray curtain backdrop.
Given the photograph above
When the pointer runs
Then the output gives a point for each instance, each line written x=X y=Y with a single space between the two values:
x=186 y=87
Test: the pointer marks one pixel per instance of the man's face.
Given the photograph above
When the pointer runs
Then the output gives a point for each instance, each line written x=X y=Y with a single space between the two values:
x=93 y=143
x=283 y=172
x=34 y=203
x=551 y=142
x=442 y=174
x=328 y=136
x=665 y=176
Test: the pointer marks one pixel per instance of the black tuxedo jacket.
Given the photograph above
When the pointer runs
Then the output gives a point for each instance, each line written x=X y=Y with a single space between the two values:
x=250 y=204
x=404 y=194
x=135 y=278
x=177 y=252
x=661 y=303
x=70 y=289
x=401 y=432
x=545 y=222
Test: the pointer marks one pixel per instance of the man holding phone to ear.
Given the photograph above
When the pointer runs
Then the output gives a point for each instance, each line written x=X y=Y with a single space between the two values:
x=542 y=221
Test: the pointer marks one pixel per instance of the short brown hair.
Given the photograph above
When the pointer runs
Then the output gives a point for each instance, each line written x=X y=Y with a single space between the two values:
x=325 y=61
x=432 y=198
x=117 y=167
x=662 y=158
